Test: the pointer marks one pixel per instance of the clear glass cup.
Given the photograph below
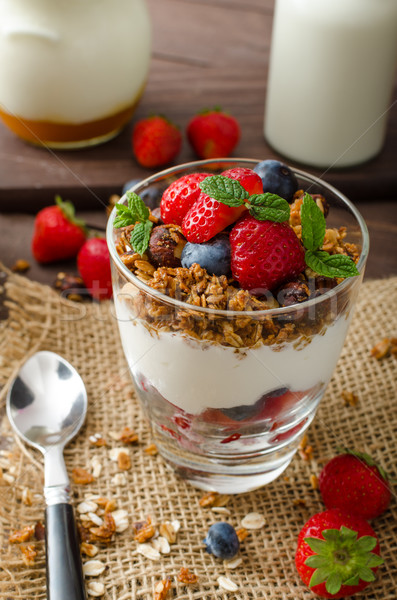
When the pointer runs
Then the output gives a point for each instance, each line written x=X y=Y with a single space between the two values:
x=229 y=394
x=72 y=72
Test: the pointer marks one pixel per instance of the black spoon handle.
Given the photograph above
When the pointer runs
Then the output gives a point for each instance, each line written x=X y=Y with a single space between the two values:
x=65 y=579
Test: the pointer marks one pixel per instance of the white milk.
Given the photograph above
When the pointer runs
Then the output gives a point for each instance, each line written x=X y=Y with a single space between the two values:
x=330 y=81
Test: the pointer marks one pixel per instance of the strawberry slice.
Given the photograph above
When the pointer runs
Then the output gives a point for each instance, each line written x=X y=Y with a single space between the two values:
x=180 y=196
x=208 y=217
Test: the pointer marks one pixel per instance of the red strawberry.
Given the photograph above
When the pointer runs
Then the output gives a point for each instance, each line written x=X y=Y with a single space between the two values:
x=207 y=216
x=337 y=554
x=57 y=233
x=180 y=196
x=155 y=141
x=213 y=134
x=93 y=263
x=353 y=482
x=265 y=254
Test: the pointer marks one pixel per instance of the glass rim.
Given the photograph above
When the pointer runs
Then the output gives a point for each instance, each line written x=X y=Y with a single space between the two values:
x=249 y=162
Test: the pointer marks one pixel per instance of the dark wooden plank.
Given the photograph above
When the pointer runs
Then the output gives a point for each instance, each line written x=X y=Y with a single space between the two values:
x=214 y=53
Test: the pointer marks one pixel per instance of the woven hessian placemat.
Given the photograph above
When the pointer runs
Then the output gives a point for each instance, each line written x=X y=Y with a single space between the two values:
x=87 y=336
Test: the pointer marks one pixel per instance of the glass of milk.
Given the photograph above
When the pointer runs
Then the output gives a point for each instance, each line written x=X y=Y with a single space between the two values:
x=330 y=82
x=72 y=72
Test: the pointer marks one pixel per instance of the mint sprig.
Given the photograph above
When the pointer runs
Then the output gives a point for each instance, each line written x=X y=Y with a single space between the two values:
x=135 y=213
x=313 y=233
x=264 y=207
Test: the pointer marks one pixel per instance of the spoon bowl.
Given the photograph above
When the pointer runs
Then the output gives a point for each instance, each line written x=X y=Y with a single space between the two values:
x=46 y=406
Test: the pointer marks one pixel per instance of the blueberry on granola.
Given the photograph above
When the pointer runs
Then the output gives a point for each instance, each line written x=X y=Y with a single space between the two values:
x=214 y=256
x=222 y=540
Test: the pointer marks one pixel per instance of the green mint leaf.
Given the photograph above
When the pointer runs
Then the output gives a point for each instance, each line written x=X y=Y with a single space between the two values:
x=137 y=207
x=331 y=265
x=269 y=207
x=140 y=236
x=313 y=224
x=225 y=190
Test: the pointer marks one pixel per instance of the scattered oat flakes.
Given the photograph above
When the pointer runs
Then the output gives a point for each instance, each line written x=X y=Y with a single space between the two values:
x=314 y=481
x=8 y=478
x=227 y=584
x=96 y=466
x=151 y=449
x=167 y=530
x=222 y=510
x=253 y=520
x=27 y=497
x=20 y=266
x=95 y=518
x=88 y=549
x=114 y=453
x=81 y=476
x=128 y=436
x=145 y=533
x=349 y=398
x=185 y=576
x=119 y=479
x=299 y=502
x=242 y=533
x=161 y=544
x=123 y=461
x=105 y=532
x=233 y=563
x=110 y=506
x=97 y=440
x=161 y=589
x=384 y=348
x=176 y=525
x=29 y=554
x=95 y=588
x=148 y=551
x=120 y=519
x=214 y=499
x=93 y=568
x=305 y=450
x=86 y=506
x=22 y=535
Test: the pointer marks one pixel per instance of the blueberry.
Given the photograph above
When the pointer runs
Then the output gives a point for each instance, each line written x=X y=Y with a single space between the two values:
x=277 y=178
x=222 y=541
x=150 y=196
x=248 y=411
x=214 y=256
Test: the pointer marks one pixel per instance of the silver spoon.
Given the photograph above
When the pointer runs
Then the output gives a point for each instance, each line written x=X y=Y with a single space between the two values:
x=46 y=406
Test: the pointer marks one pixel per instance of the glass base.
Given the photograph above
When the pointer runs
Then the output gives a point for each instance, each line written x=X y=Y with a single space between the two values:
x=229 y=474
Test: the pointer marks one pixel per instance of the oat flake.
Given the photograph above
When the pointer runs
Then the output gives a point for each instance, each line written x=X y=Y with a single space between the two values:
x=93 y=568
x=95 y=588
x=253 y=521
x=227 y=584
x=148 y=551
x=234 y=563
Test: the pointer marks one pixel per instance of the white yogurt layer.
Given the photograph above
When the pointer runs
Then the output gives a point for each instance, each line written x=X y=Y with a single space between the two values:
x=70 y=61
x=195 y=375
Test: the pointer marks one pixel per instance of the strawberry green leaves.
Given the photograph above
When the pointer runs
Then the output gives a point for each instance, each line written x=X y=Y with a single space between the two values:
x=313 y=232
x=135 y=213
x=342 y=558
x=264 y=207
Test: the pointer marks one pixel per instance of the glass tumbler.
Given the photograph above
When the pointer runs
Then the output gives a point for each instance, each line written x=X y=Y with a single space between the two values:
x=229 y=393
x=72 y=72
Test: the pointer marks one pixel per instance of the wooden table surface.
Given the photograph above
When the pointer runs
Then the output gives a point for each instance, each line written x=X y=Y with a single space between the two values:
x=205 y=53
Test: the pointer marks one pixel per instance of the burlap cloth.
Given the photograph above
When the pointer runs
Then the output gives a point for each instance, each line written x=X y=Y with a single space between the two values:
x=87 y=336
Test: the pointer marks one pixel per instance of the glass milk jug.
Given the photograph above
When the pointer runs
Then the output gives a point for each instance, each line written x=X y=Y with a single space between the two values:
x=331 y=75
x=72 y=71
